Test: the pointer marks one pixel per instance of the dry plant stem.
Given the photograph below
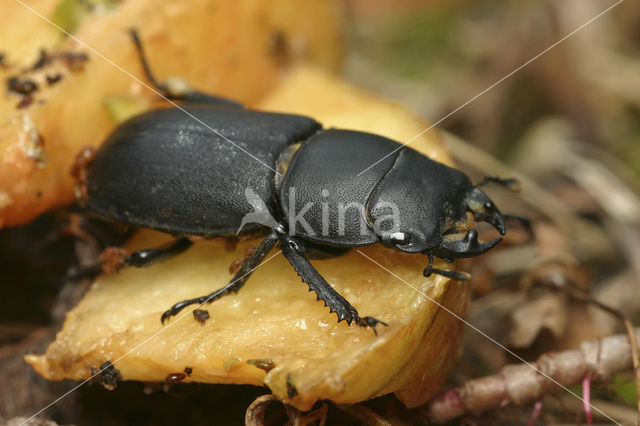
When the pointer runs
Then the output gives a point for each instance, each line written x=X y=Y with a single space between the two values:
x=636 y=360
x=635 y=356
x=569 y=403
x=519 y=384
x=256 y=412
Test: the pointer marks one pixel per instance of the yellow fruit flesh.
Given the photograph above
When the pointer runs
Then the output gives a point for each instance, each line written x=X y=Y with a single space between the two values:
x=232 y=48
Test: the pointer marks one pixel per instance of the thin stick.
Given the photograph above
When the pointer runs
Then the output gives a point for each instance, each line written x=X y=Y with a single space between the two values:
x=633 y=343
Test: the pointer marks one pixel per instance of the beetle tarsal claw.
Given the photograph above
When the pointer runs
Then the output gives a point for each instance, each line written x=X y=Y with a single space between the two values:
x=371 y=322
x=166 y=315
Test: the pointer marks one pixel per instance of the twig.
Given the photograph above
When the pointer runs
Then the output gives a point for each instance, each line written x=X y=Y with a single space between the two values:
x=537 y=409
x=586 y=396
x=633 y=343
x=256 y=412
x=519 y=384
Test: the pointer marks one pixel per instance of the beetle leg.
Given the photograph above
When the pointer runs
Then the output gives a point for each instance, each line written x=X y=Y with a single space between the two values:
x=293 y=250
x=239 y=279
x=456 y=275
x=512 y=184
x=146 y=257
x=112 y=259
x=524 y=222
x=180 y=91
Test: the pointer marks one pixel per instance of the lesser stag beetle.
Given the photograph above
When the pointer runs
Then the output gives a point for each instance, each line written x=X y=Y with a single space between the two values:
x=212 y=167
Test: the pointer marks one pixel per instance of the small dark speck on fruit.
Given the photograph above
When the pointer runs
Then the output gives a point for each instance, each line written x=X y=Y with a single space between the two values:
x=175 y=377
x=53 y=79
x=291 y=389
x=202 y=315
x=21 y=86
x=43 y=60
x=235 y=266
x=107 y=375
x=25 y=102
x=265 y=364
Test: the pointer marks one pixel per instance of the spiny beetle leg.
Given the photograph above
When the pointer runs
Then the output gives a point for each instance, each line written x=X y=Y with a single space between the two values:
x=239 y=279
x=293 y=249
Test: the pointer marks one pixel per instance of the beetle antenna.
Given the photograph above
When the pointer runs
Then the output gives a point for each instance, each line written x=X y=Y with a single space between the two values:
x=176 y=88
x=135 y=37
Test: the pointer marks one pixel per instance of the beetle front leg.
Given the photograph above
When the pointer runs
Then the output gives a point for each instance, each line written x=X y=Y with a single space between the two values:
x=512 y=184
x=239 y=279
x=293 y=250
x=456 y=275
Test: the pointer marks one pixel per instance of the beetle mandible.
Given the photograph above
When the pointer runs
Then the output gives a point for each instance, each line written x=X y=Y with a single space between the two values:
x=164 y=170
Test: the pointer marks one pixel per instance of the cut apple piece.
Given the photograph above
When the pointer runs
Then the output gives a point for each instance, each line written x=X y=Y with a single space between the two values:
x=274 y=331
x=237 y=49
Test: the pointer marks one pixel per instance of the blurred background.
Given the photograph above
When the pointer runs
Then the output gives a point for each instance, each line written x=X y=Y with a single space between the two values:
x=567 y=124
x=437 y=55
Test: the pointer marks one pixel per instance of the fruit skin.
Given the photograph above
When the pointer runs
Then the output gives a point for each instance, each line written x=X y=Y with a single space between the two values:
x=217 y=49
x=274 y=317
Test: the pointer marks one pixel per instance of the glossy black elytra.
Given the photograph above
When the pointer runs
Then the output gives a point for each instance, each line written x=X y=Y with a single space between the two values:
x=232 y=168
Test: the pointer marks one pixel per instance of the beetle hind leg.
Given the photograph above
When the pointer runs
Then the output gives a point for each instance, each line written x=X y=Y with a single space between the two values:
x=293 y=250
x=112 y=259
x=239 y=279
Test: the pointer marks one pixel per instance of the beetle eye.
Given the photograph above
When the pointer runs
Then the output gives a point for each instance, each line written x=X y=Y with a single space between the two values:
x=400 y=238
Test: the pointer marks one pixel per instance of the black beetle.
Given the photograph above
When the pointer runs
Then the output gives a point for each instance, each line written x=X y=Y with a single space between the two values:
x=231 y=168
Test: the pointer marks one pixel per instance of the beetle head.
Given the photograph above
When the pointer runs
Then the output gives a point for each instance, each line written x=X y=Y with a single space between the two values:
x=484 y=210
x=429 y=205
